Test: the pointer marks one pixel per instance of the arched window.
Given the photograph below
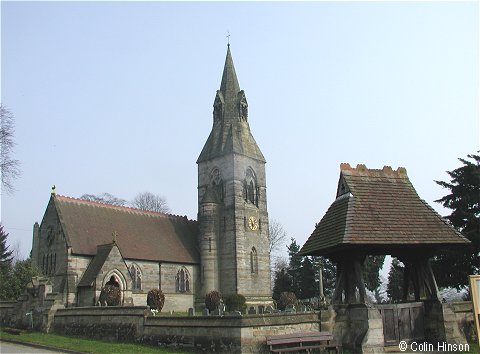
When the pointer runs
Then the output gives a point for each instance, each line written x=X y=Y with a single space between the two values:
x=253 y=261
x=251 y=192
x=136 y=274
x=250 y=188
x=183 y=281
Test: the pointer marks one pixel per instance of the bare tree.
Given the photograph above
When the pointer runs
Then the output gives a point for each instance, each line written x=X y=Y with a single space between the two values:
x=277 y=236
x=151 y=202
x=106 y=198
x=9 y=167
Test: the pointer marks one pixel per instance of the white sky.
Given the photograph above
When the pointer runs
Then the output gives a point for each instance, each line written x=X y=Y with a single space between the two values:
x=117 y=97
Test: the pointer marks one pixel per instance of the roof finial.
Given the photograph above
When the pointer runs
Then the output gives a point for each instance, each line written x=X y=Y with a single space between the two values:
x=114 y=235
x=53 y=190
x=228 y=38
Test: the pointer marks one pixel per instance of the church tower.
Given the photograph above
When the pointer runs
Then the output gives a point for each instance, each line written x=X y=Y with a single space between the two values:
x=232 y=201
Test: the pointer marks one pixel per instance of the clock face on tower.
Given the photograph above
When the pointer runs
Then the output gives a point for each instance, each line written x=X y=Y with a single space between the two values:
x=253 y=223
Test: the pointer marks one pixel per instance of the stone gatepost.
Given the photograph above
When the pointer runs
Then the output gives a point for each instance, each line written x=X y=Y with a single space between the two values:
x=359 y=327
x=327 y=319
x=441 y=323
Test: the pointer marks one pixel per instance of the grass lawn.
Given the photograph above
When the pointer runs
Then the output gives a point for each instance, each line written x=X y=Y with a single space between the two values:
x=83 y=345
x=101 y=347
x=474 y=348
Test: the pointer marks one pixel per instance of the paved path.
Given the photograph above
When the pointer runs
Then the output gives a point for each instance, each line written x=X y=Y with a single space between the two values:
x=6 y=347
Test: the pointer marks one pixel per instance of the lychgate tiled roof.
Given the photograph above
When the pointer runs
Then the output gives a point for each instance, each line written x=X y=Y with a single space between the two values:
x=141 y=234
x=378 y=208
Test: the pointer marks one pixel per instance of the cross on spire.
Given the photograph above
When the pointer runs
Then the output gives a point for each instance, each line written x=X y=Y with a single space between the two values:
x=228 y=38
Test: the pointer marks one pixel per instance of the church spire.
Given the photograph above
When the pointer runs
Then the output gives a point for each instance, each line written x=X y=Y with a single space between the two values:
x=230 y=132
x=229 y=86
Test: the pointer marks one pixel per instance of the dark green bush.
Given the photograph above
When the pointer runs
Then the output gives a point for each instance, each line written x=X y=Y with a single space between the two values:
x=156 y=299
x=212 y=300
x=235 y=302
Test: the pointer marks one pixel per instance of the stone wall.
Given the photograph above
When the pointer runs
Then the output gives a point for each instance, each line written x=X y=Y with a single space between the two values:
x=463 y=319
x=110 y=323
x=76 y=267
x=7 y=312
x=235 y=239
x=32 y=308
x=174 y=300
x=233 y=334
x=451 y=322
x=50 y=252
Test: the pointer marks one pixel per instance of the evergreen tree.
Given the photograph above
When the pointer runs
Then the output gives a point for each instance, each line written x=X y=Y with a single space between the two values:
x=395 y=281
x=371 y=271
x=295 y=263
x=282 y=283
x=380 y=293
x=452 y=267
x=328 y=275
x=302 y=275
x=308 y=286
x=5 y=254
x=14 y=280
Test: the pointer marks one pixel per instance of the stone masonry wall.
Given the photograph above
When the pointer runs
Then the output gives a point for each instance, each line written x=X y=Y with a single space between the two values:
x=109 y=323
x=51 y=249
x=236 y=240
x=233 y=334
x=174 y=300
x=450 y=322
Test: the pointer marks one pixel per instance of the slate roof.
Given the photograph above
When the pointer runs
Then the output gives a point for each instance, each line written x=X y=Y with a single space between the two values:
x=142 y=235
x=378 y=209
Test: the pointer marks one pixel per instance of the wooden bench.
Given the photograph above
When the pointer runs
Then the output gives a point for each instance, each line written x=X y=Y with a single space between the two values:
x=305 y=341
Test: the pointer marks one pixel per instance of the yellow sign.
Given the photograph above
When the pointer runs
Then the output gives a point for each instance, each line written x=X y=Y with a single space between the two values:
x=475 y=293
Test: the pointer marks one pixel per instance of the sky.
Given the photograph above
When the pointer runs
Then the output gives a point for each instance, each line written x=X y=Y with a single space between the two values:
x=118 y=97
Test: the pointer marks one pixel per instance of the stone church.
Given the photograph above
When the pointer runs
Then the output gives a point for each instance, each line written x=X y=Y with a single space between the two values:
x=81 y=245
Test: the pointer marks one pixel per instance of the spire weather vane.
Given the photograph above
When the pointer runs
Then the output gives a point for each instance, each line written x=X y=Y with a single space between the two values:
x=228 y=38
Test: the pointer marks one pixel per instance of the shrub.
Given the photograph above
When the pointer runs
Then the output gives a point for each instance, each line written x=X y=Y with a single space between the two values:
x=156 y=299
x=110 y=295
x=236 y=302
x=212 y=300
x=286 y=298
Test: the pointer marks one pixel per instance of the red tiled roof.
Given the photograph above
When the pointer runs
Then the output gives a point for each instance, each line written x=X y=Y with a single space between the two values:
x=378 y=208
x=141 y=235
